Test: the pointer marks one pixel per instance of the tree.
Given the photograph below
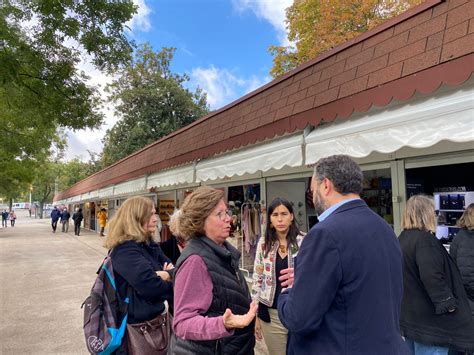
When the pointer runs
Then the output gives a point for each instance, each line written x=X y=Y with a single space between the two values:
x=44 y=183
x=151 y=103
x=316 y=26
x=41 y=90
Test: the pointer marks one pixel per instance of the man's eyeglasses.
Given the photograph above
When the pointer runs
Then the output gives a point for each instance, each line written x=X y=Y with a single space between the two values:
x=223 y=214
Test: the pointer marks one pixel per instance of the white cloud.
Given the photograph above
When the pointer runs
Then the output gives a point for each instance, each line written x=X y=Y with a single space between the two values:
x=222 y=86
x=272 y=11
x=141 y=20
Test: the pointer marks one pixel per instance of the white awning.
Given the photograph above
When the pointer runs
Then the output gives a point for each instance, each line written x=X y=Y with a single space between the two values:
x=90 y=195
x=106 y=191
x=76 y=198
x=181 y=175
x=419 y=124
x=273 y=155
x=130 y=186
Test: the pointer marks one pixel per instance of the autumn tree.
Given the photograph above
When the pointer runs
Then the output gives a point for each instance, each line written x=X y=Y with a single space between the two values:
x=41 y=90
x=151 y=102
x=316 y=26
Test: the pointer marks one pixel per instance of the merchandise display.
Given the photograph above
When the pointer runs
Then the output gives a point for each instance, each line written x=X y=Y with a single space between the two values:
x=449 y=208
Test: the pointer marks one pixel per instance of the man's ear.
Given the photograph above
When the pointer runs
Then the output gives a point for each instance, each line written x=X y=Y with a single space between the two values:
x=328 y=186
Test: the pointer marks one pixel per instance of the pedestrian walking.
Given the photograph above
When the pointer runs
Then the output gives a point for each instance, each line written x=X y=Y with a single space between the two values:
x=77 y=217
x=435 y=313
x=5 y=216
x=347 y=288
x=65 y=216
x=213 y=309
x=143 y=273
x=55 y=215
x=273 y=264
x=102 y=217
x=12 y=218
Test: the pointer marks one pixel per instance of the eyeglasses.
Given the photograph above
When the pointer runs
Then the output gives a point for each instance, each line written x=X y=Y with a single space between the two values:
x=223 y=214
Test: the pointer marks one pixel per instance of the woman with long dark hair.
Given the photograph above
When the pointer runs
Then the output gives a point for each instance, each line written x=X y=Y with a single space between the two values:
x=272 y=269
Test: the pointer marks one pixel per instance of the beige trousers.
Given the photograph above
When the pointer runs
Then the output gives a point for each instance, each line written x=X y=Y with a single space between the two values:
x=274 y=334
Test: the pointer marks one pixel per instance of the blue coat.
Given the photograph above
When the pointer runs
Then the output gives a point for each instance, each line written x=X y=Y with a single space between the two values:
x=55 y=214
x=348 y=287
x=135 y=265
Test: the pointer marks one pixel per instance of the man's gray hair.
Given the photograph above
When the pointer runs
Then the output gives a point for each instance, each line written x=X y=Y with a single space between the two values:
x=342 y=171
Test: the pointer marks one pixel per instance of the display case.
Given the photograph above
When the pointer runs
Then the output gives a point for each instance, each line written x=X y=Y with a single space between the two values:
x=450 y=206
x=166 y=209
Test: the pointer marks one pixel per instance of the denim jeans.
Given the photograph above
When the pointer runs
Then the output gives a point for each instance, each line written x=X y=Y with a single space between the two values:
x=422 y=349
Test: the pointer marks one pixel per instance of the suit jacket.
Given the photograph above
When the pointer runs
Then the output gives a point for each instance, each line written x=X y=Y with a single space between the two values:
x=348 y=287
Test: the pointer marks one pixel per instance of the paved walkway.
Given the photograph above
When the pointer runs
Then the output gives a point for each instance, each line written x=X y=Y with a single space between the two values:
x=44 y=279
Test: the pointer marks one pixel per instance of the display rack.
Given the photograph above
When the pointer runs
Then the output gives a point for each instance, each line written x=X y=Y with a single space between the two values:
x=166 y=209
x=450 y=206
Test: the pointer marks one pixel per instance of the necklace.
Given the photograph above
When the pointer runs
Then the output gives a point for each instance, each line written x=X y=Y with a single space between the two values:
x=283 y=249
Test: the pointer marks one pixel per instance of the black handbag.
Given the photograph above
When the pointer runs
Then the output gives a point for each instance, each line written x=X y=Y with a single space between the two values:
x=150 y=337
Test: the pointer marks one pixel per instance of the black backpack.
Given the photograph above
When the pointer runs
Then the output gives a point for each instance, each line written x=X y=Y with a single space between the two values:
x=105 y=313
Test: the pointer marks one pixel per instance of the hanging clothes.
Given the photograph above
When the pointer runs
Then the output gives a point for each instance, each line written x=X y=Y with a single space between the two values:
x=251 y=228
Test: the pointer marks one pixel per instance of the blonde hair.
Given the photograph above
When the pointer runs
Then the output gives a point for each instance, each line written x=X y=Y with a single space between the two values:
x=188 y=221
x=420 y=214
x=467 y=218
x=129 y=221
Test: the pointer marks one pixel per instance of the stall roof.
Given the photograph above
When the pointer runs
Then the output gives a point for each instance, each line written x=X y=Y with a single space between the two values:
x=430 y=45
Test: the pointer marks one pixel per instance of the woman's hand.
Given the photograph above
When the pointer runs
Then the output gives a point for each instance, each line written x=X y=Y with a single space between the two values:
x=287 y=277
x=168 y=266
x=165 y=276
x=232 y=321
x=258 y=329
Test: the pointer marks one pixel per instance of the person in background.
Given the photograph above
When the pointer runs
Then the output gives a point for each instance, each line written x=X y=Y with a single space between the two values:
x=77 y=217
x=12 y=218
x=435 y=313
x=55 y=215
x=273 y=264
x=65 y=216
x=139 y=263
x=102 y=217
x=462 y=251
x=171 y=249
x=5 y=216
x=213 y=309
x=348 y=284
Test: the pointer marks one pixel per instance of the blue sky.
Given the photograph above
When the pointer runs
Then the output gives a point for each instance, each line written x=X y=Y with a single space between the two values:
x=221 y=44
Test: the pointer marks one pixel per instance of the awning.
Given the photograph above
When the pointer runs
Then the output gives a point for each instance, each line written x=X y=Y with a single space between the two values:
x=90 y=195
x=419 y=124
x=273 y=155
x=130 y=186
x=181 y=175
x=106 y=192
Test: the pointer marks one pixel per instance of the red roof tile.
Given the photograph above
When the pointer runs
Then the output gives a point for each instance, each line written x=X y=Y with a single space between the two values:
x=403 y=55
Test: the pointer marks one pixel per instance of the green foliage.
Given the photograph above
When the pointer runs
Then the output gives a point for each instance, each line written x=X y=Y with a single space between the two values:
x=41 y=91
x=151 y=103
x=316 y=26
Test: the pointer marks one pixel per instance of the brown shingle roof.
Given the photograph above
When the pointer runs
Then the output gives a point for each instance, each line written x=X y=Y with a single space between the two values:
x=419 y=50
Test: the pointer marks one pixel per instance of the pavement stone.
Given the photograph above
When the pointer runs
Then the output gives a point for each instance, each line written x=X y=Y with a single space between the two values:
x=44 y=279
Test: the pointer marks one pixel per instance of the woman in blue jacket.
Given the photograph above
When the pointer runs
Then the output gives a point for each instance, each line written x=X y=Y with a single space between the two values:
x=142 y=271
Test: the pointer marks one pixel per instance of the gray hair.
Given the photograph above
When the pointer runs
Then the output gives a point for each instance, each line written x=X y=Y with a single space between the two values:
x=342 y=171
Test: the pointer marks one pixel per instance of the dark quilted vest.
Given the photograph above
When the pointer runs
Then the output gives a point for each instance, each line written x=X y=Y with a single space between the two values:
x=230 y=290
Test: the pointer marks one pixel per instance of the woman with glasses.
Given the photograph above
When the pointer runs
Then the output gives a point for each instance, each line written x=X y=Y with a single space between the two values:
x=272 y=269
x=435 y=313
x=142 y=272
x=213 y=309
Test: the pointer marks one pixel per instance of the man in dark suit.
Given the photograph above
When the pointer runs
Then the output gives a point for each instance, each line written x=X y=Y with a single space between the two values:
x=347 y=289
